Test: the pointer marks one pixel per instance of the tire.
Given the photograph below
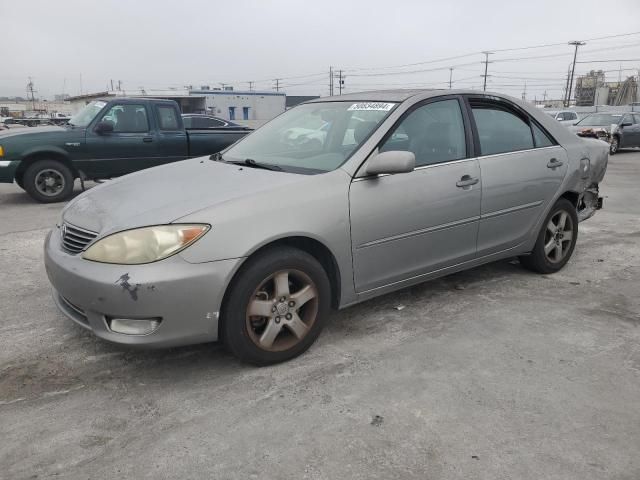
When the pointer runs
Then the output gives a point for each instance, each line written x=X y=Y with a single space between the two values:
x=36 y=181
x=19 y=182
x=614 y=146
x=259 y=288
x=553 y=250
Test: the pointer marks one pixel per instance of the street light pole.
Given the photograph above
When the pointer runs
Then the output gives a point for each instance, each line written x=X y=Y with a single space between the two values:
x=573 y=67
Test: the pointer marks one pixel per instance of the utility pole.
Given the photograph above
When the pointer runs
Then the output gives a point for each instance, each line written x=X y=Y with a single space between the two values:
x=330 y=81
x=31 y=92
x=277 y=85
x=119 y=85
x=573 y=68
x=112 y=85
x=80 y=84
x=566 y=88
x=451 y=76
x=251 y=85
x=486 y=66
x=524 y=92
x=340 y=81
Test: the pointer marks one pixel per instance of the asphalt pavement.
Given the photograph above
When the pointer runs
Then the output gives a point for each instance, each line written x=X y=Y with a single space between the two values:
x=493 y=373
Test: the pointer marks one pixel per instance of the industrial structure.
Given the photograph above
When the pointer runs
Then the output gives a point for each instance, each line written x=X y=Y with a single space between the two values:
x=592 y=89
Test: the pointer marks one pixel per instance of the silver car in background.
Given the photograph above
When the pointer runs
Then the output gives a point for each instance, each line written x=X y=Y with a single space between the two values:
x=256 y=245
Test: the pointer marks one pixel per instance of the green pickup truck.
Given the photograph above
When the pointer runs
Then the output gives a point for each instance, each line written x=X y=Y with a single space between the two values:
x=106 y=139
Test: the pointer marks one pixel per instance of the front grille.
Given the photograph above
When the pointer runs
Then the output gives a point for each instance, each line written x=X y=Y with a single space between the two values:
x=75 y=239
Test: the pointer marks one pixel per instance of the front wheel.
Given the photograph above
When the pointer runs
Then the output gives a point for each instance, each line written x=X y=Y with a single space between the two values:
x=556 y=240
x=276 y=307
x=48 y=181
x=614 y=146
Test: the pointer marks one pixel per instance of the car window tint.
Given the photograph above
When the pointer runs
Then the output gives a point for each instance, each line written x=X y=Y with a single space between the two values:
x=573 y=116
x=500 y=130
x=127 y=118
x=627 y=119
x=168 y=118
x=433 y=132
x=636 y=118
x=187 y=122
x=541 y=138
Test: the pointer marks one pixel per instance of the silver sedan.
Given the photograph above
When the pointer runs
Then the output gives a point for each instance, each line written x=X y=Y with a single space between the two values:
x=256 y=245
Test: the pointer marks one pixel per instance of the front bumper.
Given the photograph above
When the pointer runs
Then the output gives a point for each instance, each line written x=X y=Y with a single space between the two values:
x=8 y=170
x=185 y=296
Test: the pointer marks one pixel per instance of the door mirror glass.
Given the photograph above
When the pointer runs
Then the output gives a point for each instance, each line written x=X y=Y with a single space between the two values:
x=104 y=127
x=391 y=162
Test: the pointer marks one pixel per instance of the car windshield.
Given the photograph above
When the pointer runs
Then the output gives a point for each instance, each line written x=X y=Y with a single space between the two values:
x=599 y=120
x=312 y=138
x=88 y=113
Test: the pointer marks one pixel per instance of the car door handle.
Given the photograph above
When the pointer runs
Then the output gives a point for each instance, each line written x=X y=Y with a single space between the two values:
x=147 y=139
x=466 y=181
x=554 y=162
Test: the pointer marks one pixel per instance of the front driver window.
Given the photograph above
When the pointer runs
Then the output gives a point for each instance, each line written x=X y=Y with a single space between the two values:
x=127 y=118
x=433 y=132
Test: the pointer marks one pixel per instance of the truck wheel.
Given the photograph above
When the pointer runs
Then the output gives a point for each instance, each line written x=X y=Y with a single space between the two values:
x=19 y=181
x=48 y=181
x=276 y=307
x=556 y=240
x=615 y=144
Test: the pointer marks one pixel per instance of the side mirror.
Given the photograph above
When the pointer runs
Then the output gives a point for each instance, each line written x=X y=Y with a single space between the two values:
x=626 y=124
x=104 y=127
x=391 y=162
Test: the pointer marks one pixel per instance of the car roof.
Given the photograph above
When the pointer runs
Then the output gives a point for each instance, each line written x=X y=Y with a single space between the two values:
x=400 y=95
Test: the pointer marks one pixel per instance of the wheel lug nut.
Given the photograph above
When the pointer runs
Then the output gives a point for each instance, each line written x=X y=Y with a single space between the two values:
x=273 y=309
x=277 y=319
x=292 y=304
x=288 y=316
x=282 y=299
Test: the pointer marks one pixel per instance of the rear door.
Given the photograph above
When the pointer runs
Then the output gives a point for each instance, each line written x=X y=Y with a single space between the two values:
x=172 y=141
x=407 y=225
x=131 y=146
x=522 y=168
x=631 y=133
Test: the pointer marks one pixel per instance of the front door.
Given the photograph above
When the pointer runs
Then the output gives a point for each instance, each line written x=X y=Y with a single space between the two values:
x=407 y=225
x=522 y=169
x=131 y=146
x=631 y=133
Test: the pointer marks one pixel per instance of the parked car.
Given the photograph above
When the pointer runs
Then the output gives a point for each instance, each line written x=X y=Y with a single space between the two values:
x=565 y=117
x=108 y=138
x=620 y=130
x=200 y=121
x=255 y=245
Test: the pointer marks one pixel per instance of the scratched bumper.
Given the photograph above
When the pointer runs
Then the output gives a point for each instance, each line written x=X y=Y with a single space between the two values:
x=186 y=296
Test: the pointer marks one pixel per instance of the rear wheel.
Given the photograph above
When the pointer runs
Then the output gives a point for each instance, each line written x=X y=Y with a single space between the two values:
x=556 y=240
x=276 y=307
x=48 y=181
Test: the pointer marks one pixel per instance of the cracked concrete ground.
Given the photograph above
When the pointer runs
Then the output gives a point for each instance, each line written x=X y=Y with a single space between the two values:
x=494 y=373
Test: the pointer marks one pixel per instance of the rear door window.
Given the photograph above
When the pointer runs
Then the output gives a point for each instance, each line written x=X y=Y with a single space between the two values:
x=168 y=117
x=500 y=129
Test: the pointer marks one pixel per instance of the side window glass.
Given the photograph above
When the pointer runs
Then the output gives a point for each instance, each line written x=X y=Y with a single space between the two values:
x=433 y=132
x=636 y=118
x=541 y=138
x=627 y=119
x=168 y=118
x=212 y=123
x=127 y=118
x=499 y=130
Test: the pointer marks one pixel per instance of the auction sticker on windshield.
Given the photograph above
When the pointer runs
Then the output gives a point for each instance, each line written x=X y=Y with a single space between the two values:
x=376 y=106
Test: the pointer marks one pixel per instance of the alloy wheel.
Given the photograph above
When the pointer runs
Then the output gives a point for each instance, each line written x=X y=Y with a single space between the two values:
x=282 y=310
x=558 y=236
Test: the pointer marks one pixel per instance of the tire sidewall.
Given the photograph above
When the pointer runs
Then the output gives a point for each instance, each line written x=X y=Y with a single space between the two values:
x=28 y=180
x=539 y=258
x=234 y=329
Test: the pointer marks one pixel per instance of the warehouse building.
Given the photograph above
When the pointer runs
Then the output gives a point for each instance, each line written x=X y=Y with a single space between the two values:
x=251 y=108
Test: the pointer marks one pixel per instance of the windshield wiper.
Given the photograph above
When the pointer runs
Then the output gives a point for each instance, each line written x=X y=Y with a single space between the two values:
x=250 y=162
x=216 y=157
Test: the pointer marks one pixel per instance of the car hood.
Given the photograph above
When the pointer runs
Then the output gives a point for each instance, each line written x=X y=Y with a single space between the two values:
x=22 y=131
x=164 y=194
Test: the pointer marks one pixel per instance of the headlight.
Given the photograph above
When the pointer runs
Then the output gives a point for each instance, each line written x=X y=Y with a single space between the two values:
x=144 y=245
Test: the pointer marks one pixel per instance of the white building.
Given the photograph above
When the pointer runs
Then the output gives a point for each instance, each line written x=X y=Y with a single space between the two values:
x=251 y=108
